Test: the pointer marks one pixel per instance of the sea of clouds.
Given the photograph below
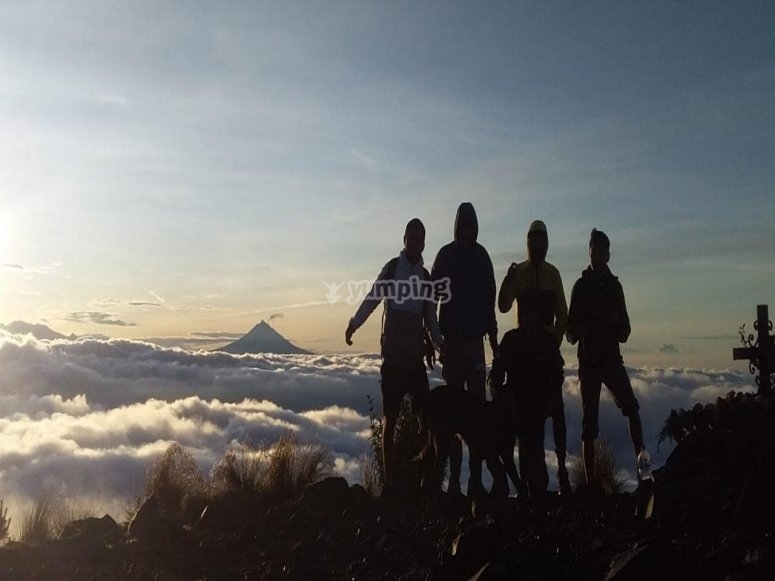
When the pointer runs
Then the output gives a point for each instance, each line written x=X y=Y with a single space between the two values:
x=86 y=418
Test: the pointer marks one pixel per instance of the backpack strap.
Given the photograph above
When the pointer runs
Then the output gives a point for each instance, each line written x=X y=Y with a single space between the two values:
x=390 y=274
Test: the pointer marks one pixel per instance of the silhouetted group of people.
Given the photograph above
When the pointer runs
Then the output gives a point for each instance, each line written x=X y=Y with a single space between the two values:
x=527 y=367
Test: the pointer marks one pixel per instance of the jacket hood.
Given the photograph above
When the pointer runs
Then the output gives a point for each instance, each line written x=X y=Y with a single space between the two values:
x=466 y=216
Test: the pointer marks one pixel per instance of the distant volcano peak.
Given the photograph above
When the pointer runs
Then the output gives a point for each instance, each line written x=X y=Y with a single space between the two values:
x=262 y=338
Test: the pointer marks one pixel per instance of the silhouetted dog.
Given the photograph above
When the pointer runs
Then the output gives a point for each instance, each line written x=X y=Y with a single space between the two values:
x=486 y=427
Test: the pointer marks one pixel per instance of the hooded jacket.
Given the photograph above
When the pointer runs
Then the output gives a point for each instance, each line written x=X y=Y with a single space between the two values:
x=469 y=314
x=546 y=278
x=598 y=317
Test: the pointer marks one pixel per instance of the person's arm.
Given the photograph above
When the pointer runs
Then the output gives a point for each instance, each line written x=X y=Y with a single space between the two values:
x=492 y=325
x=623 y=328
x=497 y=376
x=432 y=324
x=575 y=329
x=560 y=309
x=508 y=290
x=370 y=302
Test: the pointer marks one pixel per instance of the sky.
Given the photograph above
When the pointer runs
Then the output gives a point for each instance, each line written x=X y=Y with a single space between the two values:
x=195 y=167
x=84 y=420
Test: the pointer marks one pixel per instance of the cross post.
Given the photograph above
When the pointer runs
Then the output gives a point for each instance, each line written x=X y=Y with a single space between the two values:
x=761 y=354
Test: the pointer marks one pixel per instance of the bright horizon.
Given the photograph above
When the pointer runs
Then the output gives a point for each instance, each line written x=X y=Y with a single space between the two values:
x=187 y=169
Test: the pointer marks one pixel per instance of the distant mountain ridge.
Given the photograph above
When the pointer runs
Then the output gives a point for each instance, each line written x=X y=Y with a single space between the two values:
x=262 y=339
x=40 y=332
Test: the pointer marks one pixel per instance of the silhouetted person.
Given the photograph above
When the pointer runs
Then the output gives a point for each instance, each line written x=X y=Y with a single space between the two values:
x=529 y=369
x=464 y=320
x=598 y=321
x=402 y=343
x=538 y=274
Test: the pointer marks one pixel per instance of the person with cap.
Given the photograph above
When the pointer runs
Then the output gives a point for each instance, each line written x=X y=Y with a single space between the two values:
x=536 y=273
x=598 y=322
x=464 y=319
x=403 y=347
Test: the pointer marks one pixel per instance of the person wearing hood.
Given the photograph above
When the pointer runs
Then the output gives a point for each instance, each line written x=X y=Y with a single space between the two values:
x=464 y=319
x=537 y=273
x=407 y=318
x=598 y=322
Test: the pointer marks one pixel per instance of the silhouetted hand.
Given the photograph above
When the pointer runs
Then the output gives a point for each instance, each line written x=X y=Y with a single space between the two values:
x=348 y=334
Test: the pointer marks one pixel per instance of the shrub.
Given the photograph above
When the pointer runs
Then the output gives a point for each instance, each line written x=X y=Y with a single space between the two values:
x=609 y=477
x=47 y=517
x=262 y=475
x=177 y=483
x=292 y=466
x=408 y=442
x=5 y=523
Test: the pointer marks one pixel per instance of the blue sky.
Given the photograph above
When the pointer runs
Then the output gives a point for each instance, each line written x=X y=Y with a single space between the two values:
x=172 y=168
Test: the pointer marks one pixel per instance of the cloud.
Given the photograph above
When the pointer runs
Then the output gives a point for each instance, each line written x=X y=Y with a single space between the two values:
x=668 y=348
x=44 y=269
x=217 y=334
x=103 y=303
x=97 y=318
x=726 y=337
x=91 y=415
x=111 y=99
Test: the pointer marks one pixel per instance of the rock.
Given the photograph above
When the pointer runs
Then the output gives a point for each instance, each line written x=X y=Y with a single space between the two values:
x=90 y=529
x=148 y=523
x=333 y=490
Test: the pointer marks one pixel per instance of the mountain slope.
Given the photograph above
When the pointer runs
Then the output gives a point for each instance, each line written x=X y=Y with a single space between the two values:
x=262 y=339
x=40 y=332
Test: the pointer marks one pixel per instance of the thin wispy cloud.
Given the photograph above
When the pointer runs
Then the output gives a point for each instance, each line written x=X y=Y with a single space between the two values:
x=97 y=318
x=43 y=269
x=111 y=99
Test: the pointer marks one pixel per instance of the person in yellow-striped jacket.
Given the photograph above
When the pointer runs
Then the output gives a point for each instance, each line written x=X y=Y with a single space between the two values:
x=538 y=274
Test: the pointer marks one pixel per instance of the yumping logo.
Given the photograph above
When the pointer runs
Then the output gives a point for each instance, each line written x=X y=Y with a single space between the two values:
x=413 y=289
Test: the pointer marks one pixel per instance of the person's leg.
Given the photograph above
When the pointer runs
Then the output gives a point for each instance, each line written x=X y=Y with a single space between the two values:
x=391 y=404
x=591 y=382
x=618 y=383
x=540 y=471
x=388 y=445
x=453 y=374
x=419 y=393
x=560 y=435
x=476 y=386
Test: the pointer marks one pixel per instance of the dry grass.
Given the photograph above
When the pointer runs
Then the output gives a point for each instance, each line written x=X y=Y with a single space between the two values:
x=370 y=475
x=5 y=523
x=609 y=477
x=266 y=474
x=47 y=517
x=177 y=483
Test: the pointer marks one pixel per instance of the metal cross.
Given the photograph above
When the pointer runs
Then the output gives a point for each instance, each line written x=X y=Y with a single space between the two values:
x=760 y=353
